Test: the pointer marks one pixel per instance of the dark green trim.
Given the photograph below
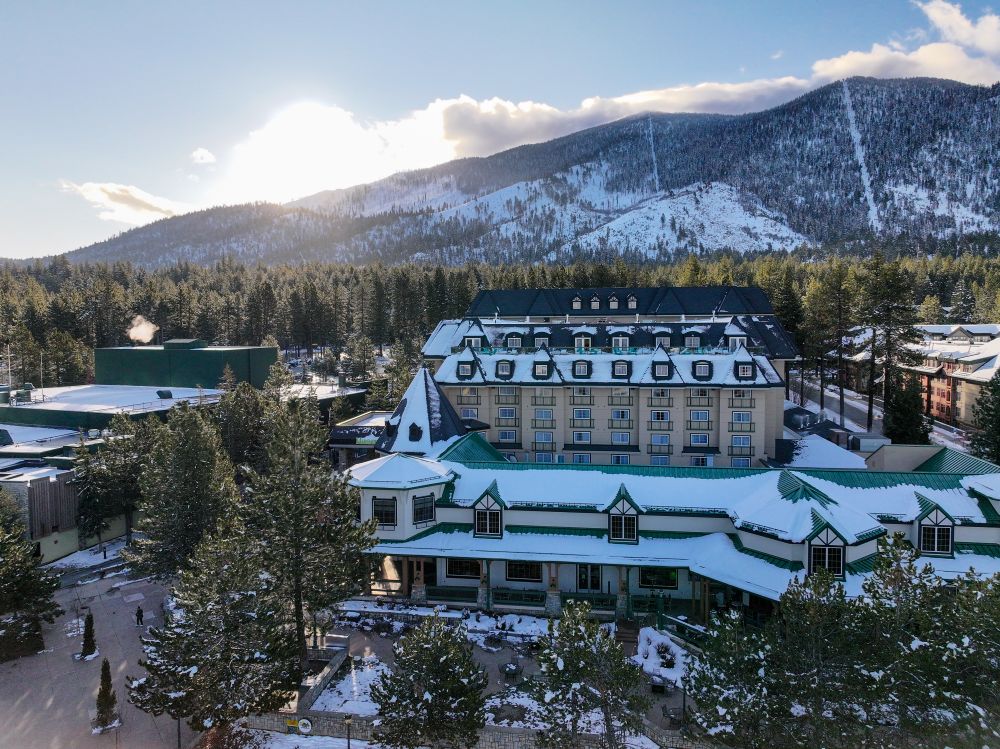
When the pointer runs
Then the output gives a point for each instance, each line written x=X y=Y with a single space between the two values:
x=863 y=566
x=980 y=548
x=785 y=564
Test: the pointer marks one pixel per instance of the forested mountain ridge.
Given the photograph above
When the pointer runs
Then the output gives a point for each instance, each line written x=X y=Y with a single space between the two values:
x=858 y=160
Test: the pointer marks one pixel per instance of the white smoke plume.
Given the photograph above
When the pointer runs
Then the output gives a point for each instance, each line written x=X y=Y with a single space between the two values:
x=141 y=330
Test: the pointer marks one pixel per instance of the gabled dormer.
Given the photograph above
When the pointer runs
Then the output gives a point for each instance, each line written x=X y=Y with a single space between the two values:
x=613 y=302
x=595 y=302
x=935 y=529
x=582 y=369
x=577 y=303
x=826 y=549
x=488 y=513
x=702 y=370
x=621 y=369
x=623 y=518
x=745 y=370
x=504 y=369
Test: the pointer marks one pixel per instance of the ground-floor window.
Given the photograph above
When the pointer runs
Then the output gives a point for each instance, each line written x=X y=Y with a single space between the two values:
x=658 y=577
x=659 y=460
x=588 y=577
x=619 y=460
x=829 y=558
x=467 y=568
x=525 y=571
x=581 y=458
x=741 y=462
x=543 y=457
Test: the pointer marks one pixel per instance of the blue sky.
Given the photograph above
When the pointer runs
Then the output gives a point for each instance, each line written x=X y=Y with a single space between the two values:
x=117 y=114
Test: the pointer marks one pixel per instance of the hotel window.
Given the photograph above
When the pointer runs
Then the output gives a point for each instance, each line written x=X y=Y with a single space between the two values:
x=740 y=463
x=935 y=539
x=700 y=393
x=487 y=522
x=659 y=416
x=659 y=439
x=595 y=303
x=526 y=572
x=702 y=369
x=506 y=390
x=423 y=509
x=741 y=440
x=514 y=342
x=621 y=369
x=473 y=342
x=469 y=391
x=699 y=461
x=581 y=413
x=581 y=438
x=619 y=460
x=541 y=370
x=741 y=393
x=631 y=302
x=465 y=568
x=545 y=437
x=507 y=435
x=510 y=457
x=744 y=370
x=384 y=512
x=506 y=412
x=503 y=369
x=699 y=416
x=624 y=527
x=692 y=341
x=663 y=341
x=613 y=302
x=541 y=341
x=619 y=341
x=661 y=370
x=658 y=577
x=543 y=457
x=577 y=304
x=582 y=342
x=581 y=391
x=699 y=440
x=736 y=341
x=580 y=369
x=741 y=417
x=620 y=438
x=659 y=460
x=621 y=414
x=543 y=414
x=661 y=393
x=464 y=370
x=470 y=413
x=581 y=458
x=829 y=558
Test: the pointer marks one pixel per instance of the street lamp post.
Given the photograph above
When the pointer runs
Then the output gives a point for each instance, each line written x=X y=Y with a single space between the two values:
x=347 y=722
x=684 y=701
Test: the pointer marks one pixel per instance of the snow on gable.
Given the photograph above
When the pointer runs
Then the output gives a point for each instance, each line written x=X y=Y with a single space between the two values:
x=424 y=422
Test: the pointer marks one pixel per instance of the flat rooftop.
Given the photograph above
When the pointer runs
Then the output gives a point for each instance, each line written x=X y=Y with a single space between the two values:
x=112 y=399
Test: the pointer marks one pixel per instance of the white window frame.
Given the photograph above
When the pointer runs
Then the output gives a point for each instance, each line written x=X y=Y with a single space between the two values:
x=741 y=440
x=620 y=459
x=619 y=341
x=595 y=302
x=464 y=369
x=541 y=369
x=506 y=412
x=507 y=435
x=581 y=459
x=661 y=370
x=504 y=369
x=692 y=341
x=582 y=342
x=702 y=369
x=514 y=341
x=621 y=369
x=659 y=438
x=621 y=438
x=659 y=415
x=581 y=438
x=613 y=303
x=698 y=443
x=577 y=303
x=580 y=369
x=581 y=413
x=700 y=415
x=470 y=412
x=744 y=370
x=621 y=414
x=742 y=417
x=541 y=341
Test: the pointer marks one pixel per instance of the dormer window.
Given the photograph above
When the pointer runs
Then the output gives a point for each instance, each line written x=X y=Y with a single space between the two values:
x=541 y=370
x=663 y=341
x=936 y=533
x=595 y=302
x=473 y=342
x=623 y=520
x=464 y=369
x=577 y=303
x=692 y=341
x=619 y=341
x=826 y=552
x=744 y=371
x=581 y=369
x=661 y=370
x=736 y=341
x=504 y=369
x=514 y=341
x=541 y=342
x=632 y=302
x=613 y=303
x=703 y=370
x=582 y=342
x=621 y=369
x=488 y=517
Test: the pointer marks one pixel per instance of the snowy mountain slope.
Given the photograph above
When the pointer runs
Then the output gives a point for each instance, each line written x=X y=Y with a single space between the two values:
x=914 y=159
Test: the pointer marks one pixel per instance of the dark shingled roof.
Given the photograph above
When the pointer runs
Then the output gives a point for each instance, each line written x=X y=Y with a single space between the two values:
x=664 y=300
x=423 y=418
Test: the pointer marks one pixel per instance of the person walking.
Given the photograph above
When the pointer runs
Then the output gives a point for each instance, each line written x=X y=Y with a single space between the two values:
x=138 y=616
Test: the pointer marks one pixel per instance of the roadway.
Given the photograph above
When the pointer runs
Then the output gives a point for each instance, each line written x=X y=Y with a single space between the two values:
x=855 y=406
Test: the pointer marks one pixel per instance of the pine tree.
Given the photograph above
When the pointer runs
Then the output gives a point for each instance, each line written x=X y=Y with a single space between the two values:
x=963 y=302
x=930 y=311
x=26 y=590
x=228 y=650
x=731 y=682
x=242 y=416
x=434 y=697
x=186 y=486
x=904 y=421
x=304 y=517
x=107 y=700
x=89 y=643
x=986 y=416
x=587 y=671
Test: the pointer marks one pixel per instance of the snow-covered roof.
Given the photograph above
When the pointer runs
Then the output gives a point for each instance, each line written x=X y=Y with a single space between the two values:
x=988 y=485
x=815 y=451
x=114 y=398
x=424 y=422
x=398 y=471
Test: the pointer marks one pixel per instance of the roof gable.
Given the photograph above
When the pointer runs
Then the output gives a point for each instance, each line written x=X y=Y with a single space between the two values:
x=423 y=421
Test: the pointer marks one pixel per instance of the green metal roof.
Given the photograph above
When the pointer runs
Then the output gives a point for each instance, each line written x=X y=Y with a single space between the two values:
x=983 y=549
x=863 y=566
x=472 y=448
x=794 y=489
x=989 y=511
x=949 y=460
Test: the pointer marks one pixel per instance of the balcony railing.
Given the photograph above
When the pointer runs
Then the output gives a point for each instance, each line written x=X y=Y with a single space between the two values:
x=452 y=593
x=741 y=451
x=582 y=423
x=469 y=400
x=581 y=400
x=507 y=422
x=699 y=400
x=620 y=400
x=660 y=449
x=507 y=400
x=620 y=423
x=511 y=597
x=543 y=423
x=742 y=403
x=741 y=426
x=661 y=402
x=604 y=601
x=699 y=426
x=543 y=447
x=661 y=426
x=543 y=400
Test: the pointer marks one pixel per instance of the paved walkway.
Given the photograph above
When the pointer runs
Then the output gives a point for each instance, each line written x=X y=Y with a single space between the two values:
x=45 y=699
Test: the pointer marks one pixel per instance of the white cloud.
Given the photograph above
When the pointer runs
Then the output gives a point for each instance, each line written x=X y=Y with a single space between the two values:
x=311 y=146
x=202 y=156
x=125 y=204
x=777 y=54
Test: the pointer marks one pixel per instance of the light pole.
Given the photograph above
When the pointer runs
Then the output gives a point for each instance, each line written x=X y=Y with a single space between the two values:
x=347 y=722
x=684 y=701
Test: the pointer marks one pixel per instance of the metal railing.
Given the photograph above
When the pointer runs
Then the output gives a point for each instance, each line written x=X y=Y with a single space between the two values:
x=543 y=447
x=621 y=424
x=742 y=403
x=701 y=426
x=660 y=425
x=603 y=601
x=620 y=400
x=653 y=449
x=581 y=400
x=469 y=400
x=543 y=423
x=699 y=400
x=512 y=597
x=741 y=426
x=654 y=402
x=507 y=400
x=507 y=422
x=740 y=451
x=584 y=423
x=452 y=593
x=543 y=400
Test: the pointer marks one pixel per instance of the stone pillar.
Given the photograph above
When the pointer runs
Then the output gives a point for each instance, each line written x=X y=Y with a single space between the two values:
x=621 y=603
x=483 y=595
x=553 y=598
x=418 y=594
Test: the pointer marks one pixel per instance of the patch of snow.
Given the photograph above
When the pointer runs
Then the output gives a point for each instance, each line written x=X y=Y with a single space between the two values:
x=352 y=694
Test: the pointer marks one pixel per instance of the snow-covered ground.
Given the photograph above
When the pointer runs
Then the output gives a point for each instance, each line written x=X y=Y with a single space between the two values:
x=292 y=741
x=88 y=557
x=352 y=694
